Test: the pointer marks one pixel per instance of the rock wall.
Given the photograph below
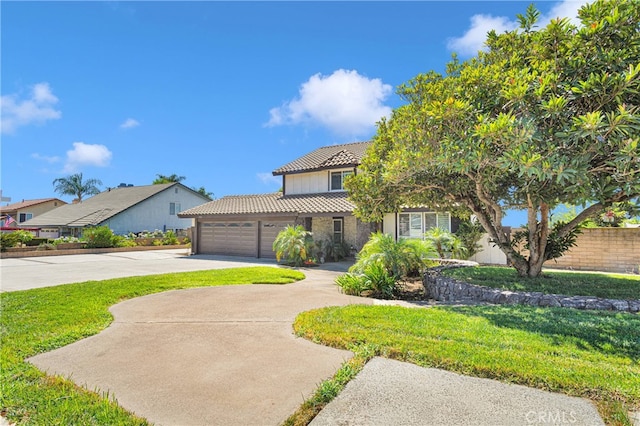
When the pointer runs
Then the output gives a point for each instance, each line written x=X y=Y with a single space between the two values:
x=447 y=289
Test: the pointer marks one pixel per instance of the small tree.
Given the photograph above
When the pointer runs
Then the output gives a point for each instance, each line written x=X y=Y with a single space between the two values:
x=74 y=185
x=294 y=245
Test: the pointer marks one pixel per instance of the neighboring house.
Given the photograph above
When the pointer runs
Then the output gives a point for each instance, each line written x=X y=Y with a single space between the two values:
x=124 y=209
x=25 y=210
x=313 y=196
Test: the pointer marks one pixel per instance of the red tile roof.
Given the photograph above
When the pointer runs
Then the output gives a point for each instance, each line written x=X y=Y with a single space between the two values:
x=28 y=203
x=275 y=203
x=327 y=157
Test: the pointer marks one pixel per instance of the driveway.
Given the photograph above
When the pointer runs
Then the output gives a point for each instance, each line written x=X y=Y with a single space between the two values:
x=34 y=272
x=208 y=356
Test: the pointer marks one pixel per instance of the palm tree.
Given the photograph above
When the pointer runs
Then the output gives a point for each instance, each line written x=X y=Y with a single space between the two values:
x=168 y=179
x=73 y=185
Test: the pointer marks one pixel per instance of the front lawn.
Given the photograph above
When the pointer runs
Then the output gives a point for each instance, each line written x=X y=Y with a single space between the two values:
x=582 y=353
x=40 y=320
x=605 y=285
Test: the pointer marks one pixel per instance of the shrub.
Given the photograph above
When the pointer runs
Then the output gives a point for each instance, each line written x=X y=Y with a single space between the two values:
x=400 y=258
x=122 y=241
x=378 y=279
x=335 y=251
x=46 y=246
x=293 y=244
x=469 y=234
x=98 y=237
x=170 y=239
x=446 y=243
x=15 y=238
x=8 y=239
x=61 y=240
x=351 y=284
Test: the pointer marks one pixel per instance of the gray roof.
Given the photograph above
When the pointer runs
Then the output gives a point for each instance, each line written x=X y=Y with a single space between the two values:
x=275 y=203
x=327 y=157
x=98 y=208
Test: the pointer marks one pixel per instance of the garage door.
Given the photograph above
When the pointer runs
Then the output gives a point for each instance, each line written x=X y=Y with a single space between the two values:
x=268 y=232
x=230 y=238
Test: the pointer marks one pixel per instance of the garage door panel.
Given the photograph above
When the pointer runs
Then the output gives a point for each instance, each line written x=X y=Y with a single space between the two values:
x=269 y=230
x=235 y=238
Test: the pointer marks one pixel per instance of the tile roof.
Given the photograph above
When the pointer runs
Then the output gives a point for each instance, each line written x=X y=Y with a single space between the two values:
x=98 y=208
x=28 y=203
x=326 y=157
x=327 y=202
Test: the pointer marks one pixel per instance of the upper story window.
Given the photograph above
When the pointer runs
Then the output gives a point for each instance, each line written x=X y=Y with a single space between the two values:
x=23 y=217
x=337 y=180
x=174 y=208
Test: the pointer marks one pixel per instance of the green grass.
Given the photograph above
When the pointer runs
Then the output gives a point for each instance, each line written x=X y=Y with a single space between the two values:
x=40 y=320
x=581 y=353
x=605 y=285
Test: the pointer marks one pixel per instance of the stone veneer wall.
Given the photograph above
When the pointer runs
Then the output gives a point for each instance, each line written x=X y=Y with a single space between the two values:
x=322 y=228
x=447 y=289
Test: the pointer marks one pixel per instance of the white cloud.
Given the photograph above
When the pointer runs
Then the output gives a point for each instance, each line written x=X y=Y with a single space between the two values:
x=46 y=158
x=84 y=154
x=129 y=123
x=474 y=38
x=269 y=179
x=345 y=102
x=36 y=109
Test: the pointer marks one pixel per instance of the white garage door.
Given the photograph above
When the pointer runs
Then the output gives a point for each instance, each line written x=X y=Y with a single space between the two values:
x=268 y=232
x=230 y=238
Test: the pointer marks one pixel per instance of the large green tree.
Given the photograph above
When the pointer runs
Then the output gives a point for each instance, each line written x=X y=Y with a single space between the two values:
x=544 y=116
x=160 y=179
x=76 y=186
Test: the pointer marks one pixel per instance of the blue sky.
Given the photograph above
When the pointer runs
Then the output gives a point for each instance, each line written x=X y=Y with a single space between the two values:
x=220 y=92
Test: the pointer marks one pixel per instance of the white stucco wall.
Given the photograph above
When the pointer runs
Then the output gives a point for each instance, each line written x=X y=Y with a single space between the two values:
x=153 y=213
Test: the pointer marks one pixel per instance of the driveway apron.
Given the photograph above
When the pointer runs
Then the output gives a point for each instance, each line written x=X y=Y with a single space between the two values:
x=208 y=356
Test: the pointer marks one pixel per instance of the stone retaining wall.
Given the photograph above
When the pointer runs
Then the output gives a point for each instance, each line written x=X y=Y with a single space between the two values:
x=447 y=289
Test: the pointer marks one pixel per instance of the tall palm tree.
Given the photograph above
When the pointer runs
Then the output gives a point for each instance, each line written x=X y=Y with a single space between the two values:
x=168 y=179
x=74 y=185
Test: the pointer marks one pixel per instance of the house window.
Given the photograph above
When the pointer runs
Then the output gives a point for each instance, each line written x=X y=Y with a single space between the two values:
x=414 y=225
x=23 y=217
x=174 y=208
x=438 y=220
x=337 y=180
x=338 y=225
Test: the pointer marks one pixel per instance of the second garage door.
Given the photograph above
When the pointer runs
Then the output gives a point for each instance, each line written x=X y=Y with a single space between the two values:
x=268 y=232
x=230 y=238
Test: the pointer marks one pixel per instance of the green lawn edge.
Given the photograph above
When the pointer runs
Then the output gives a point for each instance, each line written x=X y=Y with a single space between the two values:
x=43 y=319
x=589 y=354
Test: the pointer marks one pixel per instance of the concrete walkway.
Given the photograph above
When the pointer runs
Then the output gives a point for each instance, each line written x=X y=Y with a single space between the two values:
x=227 y=355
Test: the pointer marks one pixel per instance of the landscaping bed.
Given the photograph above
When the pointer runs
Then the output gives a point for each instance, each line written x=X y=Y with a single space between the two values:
x=17 y=252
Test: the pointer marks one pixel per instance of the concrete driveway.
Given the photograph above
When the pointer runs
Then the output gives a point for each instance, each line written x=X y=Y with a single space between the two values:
x=34 y=272
x=208 y=356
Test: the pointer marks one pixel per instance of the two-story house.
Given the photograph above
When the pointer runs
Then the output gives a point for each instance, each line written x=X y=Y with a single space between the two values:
x=124 y=209
x=14 y=215
x=313 y=196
